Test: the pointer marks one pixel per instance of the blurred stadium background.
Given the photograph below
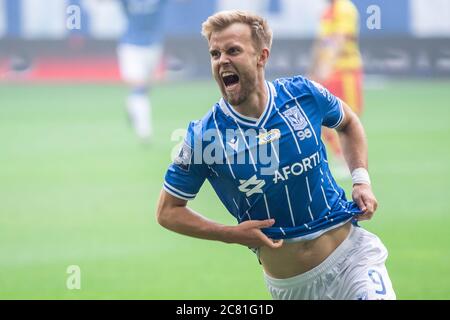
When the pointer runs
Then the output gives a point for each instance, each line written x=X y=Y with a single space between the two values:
x=76 y=188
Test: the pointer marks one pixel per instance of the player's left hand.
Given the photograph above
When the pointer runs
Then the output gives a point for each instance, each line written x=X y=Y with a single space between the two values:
x=366 y=201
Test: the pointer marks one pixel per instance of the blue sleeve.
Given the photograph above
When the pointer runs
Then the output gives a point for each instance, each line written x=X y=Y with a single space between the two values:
x=329 y=105
x=187 y=173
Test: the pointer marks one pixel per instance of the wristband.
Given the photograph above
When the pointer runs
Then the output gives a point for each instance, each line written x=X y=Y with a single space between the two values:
x=360 y=176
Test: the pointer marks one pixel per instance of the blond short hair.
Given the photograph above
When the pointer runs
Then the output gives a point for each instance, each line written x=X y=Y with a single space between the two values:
x=261 y=32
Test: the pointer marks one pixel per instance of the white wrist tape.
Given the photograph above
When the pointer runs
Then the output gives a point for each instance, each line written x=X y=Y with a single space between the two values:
x=360 y=176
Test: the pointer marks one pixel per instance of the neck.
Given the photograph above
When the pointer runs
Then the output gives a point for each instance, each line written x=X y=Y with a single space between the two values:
x=255 y=104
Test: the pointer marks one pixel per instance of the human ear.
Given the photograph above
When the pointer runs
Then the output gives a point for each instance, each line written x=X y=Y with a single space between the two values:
x=263 y=57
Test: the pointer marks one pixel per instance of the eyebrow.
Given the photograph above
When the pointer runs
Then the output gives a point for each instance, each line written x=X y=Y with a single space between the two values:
x=227 y=47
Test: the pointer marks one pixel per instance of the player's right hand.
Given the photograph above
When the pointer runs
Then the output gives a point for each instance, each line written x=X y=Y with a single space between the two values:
x=249 y=234
x=365 y=199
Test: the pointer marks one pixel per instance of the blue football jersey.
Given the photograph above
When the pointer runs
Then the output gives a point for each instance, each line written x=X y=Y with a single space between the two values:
x=145 y=21
x=272 y=167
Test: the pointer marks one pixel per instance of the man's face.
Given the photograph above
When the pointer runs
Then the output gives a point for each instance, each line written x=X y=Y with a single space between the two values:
x=234 y=62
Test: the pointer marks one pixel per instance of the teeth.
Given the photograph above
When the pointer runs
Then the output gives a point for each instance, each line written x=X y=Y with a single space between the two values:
x=225 y=74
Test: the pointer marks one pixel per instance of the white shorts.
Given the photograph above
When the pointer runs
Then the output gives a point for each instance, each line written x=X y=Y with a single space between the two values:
x=354 y=271
x=138 y=63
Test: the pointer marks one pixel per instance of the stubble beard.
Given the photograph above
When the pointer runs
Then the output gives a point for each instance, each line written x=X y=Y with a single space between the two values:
x=246 y=86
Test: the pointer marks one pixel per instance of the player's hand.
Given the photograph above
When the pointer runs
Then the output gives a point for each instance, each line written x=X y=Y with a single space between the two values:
x=366 y=201
x=249 y=234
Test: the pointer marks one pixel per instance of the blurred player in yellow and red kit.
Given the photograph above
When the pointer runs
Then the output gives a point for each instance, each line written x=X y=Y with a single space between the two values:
x=337 y=64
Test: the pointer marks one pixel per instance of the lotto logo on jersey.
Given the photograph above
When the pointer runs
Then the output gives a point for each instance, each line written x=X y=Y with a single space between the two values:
x=296 y=119
x=251 y=186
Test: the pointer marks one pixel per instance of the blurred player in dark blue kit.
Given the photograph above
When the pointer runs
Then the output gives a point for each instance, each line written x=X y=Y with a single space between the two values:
x=289 y=210
x=140 y=51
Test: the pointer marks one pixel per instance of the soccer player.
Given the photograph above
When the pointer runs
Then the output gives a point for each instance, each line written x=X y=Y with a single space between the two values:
x=260 y=149
x=337 y=65
x=139 y=52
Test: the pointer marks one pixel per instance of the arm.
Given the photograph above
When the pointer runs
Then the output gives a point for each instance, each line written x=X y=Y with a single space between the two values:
x=354 y=145
x=173 y=214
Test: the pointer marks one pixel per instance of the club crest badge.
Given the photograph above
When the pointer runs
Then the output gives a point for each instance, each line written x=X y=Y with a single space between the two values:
x=296 y=119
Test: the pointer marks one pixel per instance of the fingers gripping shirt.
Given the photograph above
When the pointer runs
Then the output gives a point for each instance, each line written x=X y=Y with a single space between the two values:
x=272 y=167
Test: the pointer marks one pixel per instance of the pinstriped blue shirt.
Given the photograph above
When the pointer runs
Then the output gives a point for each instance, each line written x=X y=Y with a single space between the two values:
x=272 y=167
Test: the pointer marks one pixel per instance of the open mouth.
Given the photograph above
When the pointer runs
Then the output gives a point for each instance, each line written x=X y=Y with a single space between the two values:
x=230 y=79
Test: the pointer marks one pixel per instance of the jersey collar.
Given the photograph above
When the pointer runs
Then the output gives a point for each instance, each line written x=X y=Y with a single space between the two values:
x=230 y=111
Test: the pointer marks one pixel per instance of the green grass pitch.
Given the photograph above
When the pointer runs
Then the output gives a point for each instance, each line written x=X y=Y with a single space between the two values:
x=76 y=188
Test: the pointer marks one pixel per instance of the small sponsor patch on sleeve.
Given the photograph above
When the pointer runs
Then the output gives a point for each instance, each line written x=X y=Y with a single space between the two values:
x=183 y=160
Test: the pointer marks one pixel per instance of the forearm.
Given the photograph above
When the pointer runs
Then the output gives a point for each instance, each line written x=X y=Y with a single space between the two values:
x=185 y=221
x=354 y=144
x=173 y=214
